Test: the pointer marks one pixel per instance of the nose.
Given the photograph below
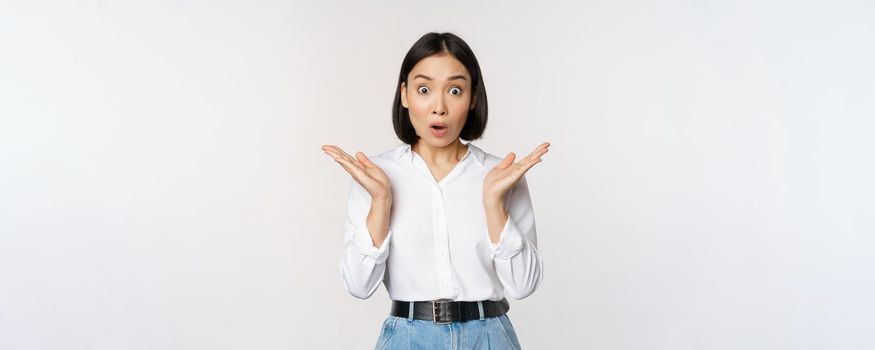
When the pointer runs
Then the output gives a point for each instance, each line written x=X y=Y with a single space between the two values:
x=439 y=108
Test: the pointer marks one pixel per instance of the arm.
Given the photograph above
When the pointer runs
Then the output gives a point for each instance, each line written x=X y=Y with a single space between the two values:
x=514 y=241
x=366 y=242
x=365 y=239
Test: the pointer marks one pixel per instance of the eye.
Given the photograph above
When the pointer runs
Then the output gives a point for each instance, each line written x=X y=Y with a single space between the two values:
x=455 y=91
x=422 y=89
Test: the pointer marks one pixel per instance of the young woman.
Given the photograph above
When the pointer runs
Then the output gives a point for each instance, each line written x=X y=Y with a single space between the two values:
x=448 y=228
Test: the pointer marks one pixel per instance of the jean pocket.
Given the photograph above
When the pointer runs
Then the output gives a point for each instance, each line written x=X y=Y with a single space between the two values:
x=386 y=332
x=509 y=333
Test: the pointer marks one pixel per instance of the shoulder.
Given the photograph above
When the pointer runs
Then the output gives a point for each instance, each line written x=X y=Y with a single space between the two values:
x=489 y=160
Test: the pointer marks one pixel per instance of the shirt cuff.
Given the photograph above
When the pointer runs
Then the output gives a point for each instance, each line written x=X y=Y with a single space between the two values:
x=510 y=242
x=365 y=244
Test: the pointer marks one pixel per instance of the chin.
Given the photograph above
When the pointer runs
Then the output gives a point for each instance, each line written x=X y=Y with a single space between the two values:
x=438 y=142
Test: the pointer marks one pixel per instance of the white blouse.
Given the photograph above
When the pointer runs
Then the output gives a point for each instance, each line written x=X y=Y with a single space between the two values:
x=438 y=244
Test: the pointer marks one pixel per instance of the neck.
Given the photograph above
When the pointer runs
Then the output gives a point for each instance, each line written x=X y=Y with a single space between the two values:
x=449 y=154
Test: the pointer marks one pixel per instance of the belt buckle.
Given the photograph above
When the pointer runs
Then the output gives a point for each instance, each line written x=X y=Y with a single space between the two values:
x=435 y=313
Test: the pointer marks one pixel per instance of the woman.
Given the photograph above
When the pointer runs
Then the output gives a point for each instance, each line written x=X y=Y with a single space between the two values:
x=448 y=228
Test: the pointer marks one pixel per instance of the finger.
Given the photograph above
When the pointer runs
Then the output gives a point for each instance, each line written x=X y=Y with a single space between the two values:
x=347 y=162
x=332 y=148
x=334 y=153
x=364 y=160
x=540 y=150
x=530 y=164
x=538 y=154
x=533 y=158
x=353 y=169
x=507 y=161
x=340 y=152
x=535 y=155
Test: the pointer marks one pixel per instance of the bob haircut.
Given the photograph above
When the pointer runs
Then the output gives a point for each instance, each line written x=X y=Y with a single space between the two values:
x=432 y=44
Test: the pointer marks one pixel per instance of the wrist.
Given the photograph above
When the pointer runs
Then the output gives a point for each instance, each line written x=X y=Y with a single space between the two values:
x=383 y=201
x=492 y=195
x=493 y=202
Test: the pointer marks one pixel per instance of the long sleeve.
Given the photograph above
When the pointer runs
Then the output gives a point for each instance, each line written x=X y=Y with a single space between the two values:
x=362 y=264
x=517 y=262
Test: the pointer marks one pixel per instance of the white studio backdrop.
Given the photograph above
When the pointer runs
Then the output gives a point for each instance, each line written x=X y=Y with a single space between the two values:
x=709 y=184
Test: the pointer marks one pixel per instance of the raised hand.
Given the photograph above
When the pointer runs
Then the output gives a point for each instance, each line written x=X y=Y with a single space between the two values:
x=370 y=176
x=501 y=178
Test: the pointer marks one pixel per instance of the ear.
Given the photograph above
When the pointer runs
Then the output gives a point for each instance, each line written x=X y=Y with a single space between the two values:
x=404 y=95
x=473 y=103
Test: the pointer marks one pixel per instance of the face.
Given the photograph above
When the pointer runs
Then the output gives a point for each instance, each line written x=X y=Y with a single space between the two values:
x=438 y=98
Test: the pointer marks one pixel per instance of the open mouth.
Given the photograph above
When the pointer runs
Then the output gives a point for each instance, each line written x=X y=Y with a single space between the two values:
x=438 y=129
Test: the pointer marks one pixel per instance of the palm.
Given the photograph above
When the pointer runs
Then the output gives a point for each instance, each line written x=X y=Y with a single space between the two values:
x=365 y=172
x=501 y=178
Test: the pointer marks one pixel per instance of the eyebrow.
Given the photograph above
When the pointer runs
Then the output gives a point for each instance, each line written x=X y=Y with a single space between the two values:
x=462 y=77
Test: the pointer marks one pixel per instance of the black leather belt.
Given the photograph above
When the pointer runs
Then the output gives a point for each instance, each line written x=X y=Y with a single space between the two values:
x=443 y=311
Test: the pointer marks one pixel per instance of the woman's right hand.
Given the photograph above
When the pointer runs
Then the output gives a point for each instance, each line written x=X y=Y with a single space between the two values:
x=365 y=172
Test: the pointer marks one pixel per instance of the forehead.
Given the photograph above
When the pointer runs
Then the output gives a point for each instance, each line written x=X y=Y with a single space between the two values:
x=439 y=67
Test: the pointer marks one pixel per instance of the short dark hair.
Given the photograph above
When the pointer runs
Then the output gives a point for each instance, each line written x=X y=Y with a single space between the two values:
x=432 y=44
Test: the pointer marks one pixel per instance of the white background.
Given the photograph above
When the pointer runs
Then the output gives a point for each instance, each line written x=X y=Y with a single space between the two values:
x=709 y=184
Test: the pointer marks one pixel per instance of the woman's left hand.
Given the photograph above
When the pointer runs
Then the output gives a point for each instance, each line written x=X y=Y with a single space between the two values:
x=507 y=173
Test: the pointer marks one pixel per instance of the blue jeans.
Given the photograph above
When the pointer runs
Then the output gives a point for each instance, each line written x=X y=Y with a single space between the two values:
x=412 y=334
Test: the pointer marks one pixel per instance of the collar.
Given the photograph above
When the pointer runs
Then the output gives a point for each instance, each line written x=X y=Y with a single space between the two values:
x=405 y=152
